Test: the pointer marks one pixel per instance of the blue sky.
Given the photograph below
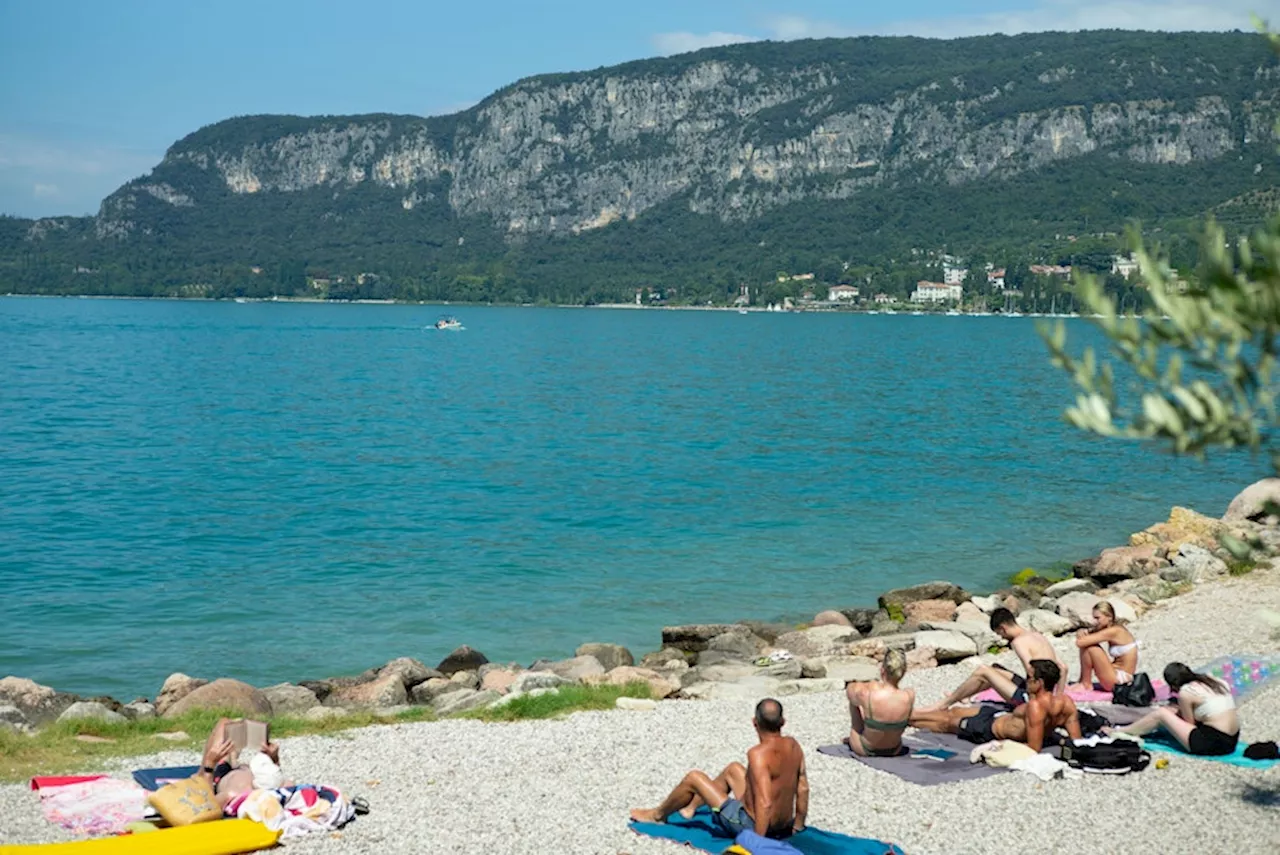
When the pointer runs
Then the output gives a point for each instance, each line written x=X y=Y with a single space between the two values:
x=93 y=92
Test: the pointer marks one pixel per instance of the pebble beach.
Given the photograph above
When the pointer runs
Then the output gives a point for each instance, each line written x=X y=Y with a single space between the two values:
x=463 y=786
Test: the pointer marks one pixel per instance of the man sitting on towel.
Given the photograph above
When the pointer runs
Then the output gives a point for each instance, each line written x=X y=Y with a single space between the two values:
x=1012 y=687
x=1029 y=722
x=770 y=796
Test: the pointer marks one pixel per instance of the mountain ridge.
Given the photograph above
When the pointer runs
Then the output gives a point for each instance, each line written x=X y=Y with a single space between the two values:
x=729 y=136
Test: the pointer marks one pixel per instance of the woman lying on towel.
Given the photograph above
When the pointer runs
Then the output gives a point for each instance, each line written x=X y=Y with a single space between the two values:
x=879 y=709
x=1108 y=651
x=233 y=773
x=1205 y=721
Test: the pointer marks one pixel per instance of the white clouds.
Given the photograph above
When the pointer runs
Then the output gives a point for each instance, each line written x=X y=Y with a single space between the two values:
x=683 y=42
x=44 y=191
x=1047 y=15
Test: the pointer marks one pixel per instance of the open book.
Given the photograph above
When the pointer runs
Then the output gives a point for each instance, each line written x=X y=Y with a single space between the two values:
x=247 y=733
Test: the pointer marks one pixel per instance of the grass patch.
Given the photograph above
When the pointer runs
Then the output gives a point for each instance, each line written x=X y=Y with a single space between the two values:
x=567 y=700
x=55 y=750
x=1241 y=566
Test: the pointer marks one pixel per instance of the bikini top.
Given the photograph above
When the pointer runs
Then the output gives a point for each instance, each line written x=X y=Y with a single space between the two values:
x=1210 y=703
x=869 y=721
x=1118 y=650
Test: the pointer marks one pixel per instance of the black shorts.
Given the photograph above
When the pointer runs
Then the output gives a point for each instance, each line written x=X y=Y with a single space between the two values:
x=1210 y=742
x=980 y=727
x=1020 y=697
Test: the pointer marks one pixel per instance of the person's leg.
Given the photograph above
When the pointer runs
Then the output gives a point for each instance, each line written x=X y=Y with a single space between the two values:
x=940 y=721
x=1086 y=671
x=853 y=693
x=733 y=779
x=982 y=678
x=693 y=784
x=1103 y=670
x=1162 y=717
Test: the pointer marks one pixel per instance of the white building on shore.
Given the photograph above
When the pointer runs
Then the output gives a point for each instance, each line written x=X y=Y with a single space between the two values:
x=936 y=292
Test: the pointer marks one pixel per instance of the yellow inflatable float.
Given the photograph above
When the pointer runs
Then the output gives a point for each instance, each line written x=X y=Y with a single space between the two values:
x=224 y=837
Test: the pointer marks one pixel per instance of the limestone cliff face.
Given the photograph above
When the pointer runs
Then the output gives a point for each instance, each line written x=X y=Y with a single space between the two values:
x=735 y=132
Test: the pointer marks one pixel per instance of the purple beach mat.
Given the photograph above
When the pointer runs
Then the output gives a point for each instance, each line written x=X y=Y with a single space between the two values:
x=919 y=767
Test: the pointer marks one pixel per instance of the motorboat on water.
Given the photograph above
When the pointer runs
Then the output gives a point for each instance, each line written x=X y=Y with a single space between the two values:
x=448 y=322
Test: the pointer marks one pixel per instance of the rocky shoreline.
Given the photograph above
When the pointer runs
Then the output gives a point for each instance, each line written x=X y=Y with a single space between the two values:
x=935 y=623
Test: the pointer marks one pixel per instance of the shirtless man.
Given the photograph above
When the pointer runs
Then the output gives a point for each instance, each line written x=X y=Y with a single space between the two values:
x=1029 y=722
x=1012 y=687
x=770 y=796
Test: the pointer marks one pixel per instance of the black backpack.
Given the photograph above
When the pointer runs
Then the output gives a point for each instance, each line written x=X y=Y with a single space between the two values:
x=1105 y=755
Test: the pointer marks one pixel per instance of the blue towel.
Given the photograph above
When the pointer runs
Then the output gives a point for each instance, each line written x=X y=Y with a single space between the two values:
x=1159 y=742
x=701 y=833
x=154 y=779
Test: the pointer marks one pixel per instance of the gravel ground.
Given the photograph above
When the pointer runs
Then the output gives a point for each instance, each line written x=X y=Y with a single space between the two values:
x=566 y=785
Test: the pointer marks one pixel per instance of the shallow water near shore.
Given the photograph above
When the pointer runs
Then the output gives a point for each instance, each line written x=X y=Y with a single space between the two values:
x=288 y=491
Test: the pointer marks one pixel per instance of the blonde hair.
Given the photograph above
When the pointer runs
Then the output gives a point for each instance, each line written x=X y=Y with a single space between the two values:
x=895 y=664
x=1109 y=610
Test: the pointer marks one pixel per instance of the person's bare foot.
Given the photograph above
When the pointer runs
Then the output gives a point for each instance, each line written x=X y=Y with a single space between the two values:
x=641 y=815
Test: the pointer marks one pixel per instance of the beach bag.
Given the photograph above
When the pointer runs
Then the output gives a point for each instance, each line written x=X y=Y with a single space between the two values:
x=186 y=802
x=1139 y=693
x=1105 y=755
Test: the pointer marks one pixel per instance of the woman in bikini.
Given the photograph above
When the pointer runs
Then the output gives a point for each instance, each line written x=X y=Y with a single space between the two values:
x=879 y=709
x=1108 y=652
x=1204 y=722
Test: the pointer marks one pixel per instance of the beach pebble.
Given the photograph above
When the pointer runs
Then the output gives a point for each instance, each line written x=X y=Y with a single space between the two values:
x=322 y=713
x=636 y=704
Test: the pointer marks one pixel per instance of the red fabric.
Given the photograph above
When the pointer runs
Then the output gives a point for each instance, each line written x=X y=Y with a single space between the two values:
x=43 y=781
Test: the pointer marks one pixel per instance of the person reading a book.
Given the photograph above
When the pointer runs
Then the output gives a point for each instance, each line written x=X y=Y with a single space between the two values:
x=238 y=757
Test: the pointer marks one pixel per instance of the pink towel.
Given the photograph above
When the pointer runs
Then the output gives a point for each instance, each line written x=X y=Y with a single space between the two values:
x=1095 y=696
x=94 y=808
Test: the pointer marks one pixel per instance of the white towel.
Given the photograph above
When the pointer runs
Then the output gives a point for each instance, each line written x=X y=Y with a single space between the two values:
x=1046 y=768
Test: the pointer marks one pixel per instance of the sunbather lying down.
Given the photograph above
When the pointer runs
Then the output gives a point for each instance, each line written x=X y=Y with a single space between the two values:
x=233 y=773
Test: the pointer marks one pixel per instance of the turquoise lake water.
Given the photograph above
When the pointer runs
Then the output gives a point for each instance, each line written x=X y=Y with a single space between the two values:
x=289 y=491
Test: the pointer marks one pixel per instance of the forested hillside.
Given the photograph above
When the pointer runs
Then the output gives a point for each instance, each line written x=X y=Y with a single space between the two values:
x=854 y=159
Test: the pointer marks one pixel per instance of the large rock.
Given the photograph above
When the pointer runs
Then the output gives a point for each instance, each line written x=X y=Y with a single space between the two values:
x=987 y=604
x=1078 y=608
x=38 y=704
x=1183 y=526
x=970 y=613
x=1125 y=613
x=1152 y=589
x=786 y=669
x=462 y=701
x=576 y=669
x=818 y=641
x=426 y=692
x=861 y=619
x=527 y=681
x=288 y=699
x=928 y=611
x=788 y=688
x=727 y=672
x=925 y=591
x=846 y=668
x=947 y=646
x=386 y=691
x=693 y=638
x=747 y=689
x=1251 y=503
x=497 y=680
x=768 y=631
x=1070 y=586
x=466 y=679
x=1122 y=562
x=983 y=637
x=410 y=671
x=659 y=686
x=921 y=658
x=463 y=659
x=1195 y=564
x=91 y=711
x=831 y=618
x=12 y=718
x=143 y=710
x=664 y=658
x=610 y=656
x=229 y=696
x=1049 y=623
x=742 y=646
x=176 y=687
